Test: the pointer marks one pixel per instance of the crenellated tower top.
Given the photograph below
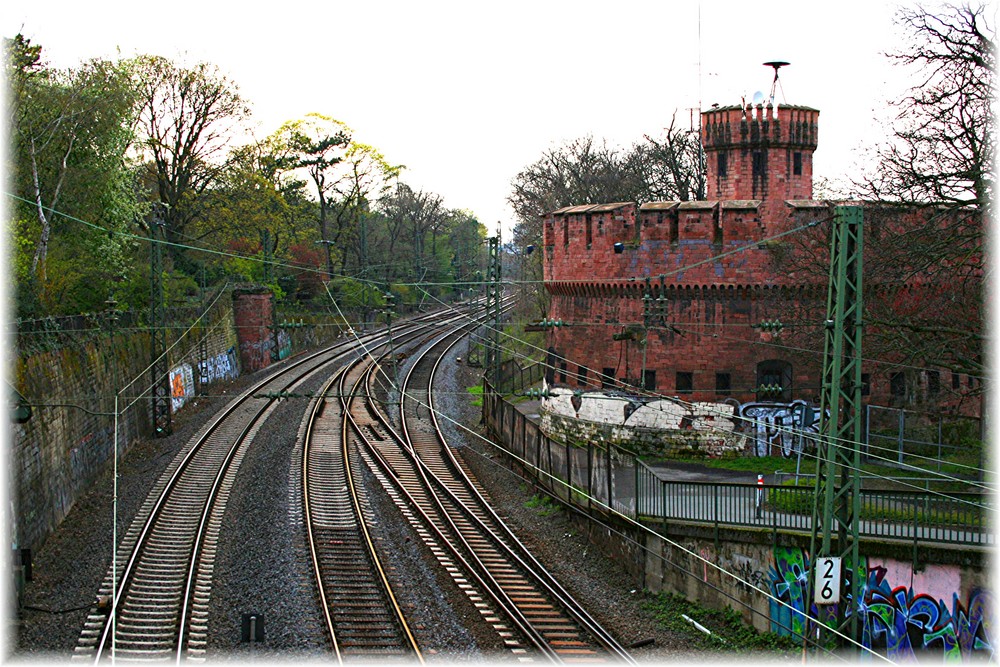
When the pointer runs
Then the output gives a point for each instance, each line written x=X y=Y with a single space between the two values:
x=759 y=151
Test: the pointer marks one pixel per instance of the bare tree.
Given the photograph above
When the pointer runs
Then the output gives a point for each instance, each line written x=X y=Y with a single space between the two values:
x=674 y=167
x=942 y=149
x=186 y=122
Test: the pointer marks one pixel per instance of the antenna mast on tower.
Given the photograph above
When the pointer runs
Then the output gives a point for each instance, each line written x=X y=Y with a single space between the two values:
x=776 y=64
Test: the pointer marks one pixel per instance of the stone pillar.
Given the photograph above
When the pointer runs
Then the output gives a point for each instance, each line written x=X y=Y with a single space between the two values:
x=253 y=314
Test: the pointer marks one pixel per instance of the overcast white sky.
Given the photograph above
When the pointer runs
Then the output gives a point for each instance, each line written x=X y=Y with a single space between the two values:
x=466 y=94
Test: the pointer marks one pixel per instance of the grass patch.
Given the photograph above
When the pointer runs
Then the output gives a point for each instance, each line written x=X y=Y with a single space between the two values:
x=729 y=633
x=476 y=391
x=756 y=464
x=542 y=504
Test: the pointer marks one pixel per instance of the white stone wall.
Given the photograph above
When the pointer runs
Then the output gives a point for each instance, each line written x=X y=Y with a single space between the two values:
x=661 y=414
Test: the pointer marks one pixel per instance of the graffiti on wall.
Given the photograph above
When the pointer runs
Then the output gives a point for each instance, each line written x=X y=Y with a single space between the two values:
x=220 y=367
x=284 y=345
x=181 y=386
x=256 y=354
x=780 y=428
x=900 y=621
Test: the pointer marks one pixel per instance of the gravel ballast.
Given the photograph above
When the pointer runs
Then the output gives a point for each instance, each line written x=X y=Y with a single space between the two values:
x=261 y=566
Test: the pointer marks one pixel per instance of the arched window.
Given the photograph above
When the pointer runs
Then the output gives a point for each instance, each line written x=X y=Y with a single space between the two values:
x=774 y=380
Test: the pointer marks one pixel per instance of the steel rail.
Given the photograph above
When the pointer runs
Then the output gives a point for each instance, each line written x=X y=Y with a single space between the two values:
x=102 y=624
x=532 y=565
x=407 y=642
x=439 y=525
x=498 y=533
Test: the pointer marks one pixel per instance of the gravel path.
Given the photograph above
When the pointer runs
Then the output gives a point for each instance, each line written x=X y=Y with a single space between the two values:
x=267 y=573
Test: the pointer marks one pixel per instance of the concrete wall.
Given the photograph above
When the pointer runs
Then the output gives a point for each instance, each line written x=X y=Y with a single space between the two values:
x=940 y=603
x=661 y=427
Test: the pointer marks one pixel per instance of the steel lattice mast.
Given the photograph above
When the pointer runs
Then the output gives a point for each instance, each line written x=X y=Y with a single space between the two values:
x=159 y=369
x=836 y=513
x=493 y=292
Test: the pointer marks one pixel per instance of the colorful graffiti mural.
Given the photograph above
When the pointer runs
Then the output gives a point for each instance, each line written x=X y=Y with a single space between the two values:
x=181 y=386
x=779 y=427
x=900 y=621
x=284 y=345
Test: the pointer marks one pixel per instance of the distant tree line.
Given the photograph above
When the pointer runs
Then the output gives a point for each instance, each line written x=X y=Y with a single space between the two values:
x=104 y=154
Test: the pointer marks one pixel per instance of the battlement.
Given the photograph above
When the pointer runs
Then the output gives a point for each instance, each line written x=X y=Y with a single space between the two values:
x=760 y=152
x=624 y=240
x=762 y=126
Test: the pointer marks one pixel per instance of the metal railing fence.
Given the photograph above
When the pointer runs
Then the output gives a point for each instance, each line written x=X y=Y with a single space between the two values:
x=585 y=472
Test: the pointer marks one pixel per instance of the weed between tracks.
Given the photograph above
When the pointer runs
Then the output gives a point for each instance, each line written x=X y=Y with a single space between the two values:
x=544 y=505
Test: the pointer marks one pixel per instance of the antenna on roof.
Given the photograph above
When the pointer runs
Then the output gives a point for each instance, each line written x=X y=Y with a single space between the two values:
x=776 y=64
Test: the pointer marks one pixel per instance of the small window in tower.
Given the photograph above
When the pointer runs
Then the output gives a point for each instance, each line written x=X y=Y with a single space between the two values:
x=723 y=167
x=758 y=163
x=608 y=378
x=562 y=372
x=684 y=383
x=933 y=382
x=649 y=380
x=866 y=384
x=797 y=164
x=897 y=387
x=581 y=375
x=723 y=384
x=956 y=380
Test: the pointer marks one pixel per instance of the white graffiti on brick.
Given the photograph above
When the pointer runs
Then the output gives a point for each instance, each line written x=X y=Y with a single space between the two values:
x=780 y=427
x=219 y=367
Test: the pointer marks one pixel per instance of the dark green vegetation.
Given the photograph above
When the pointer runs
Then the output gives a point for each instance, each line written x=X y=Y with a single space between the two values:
x=110 y=154
x=729 y=633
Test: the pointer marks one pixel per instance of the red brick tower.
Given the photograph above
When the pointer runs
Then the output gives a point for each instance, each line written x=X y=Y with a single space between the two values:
x=759 y=152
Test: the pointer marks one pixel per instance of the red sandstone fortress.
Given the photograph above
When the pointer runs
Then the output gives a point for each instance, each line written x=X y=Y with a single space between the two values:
x=673 y=297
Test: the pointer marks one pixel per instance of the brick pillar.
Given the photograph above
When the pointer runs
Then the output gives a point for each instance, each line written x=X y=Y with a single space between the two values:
x=253 y=314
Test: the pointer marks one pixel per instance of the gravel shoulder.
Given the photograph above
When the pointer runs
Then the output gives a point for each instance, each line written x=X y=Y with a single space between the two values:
x=603 y=586
x=266 y=573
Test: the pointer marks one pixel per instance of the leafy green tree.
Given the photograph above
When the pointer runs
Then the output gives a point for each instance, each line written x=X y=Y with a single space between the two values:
x=71 y=133
x=317 y=143
x=257 y=201
x=361 y=178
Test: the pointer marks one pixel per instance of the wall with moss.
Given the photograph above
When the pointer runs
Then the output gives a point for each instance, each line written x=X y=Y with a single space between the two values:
x=72 y=389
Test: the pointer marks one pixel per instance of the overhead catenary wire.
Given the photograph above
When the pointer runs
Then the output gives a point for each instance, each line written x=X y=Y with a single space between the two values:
x=634 y=523
x=421 y=285
x=837 y=441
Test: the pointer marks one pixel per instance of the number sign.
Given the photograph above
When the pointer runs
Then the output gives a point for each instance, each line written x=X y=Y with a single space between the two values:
x=827 y=580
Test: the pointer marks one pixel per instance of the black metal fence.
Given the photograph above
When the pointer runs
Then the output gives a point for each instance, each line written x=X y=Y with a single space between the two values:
x=607 y=475
x=921 y=439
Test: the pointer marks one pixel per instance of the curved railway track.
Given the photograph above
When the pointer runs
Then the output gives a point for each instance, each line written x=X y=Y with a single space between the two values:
x=361 y=614
x=533 y=614
x=153 y=602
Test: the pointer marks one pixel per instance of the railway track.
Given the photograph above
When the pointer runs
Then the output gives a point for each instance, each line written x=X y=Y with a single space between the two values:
x=361 y=614
x=153 y=602
x=514 y=593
